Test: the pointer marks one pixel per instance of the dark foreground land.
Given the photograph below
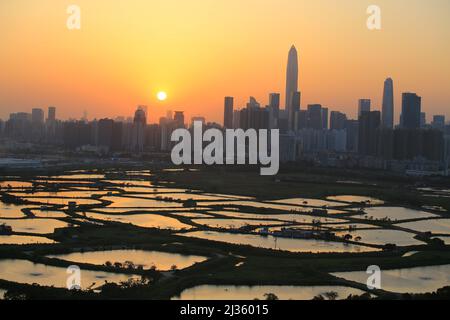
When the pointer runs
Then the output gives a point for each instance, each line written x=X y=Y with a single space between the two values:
x=262 y=266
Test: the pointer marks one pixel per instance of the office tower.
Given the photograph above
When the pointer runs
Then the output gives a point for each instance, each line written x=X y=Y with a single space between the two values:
x=325 y=118
x=411 y=109
x=295 y=108
x=18 y=126
x=369 y=123
x=363 y=105
x=274 y=104
x=37 y=116
x=337 y=120
x=438 y=122
x=352 y=128
x=315 y=116
x=179 y=119
x=51 y=114
x=37 y=125
x=291 y=77
x=228 y=113
x=169 y=115
x=138 y=130
x=388 y=104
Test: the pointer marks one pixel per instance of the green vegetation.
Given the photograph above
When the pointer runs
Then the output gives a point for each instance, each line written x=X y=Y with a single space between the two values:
x=261 y=267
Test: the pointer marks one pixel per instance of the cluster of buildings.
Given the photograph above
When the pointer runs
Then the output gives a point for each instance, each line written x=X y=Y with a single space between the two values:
x=99 y=136
x=330 y=138
x=313 y=133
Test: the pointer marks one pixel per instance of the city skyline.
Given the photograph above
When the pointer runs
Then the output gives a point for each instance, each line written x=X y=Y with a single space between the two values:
x=111 y=65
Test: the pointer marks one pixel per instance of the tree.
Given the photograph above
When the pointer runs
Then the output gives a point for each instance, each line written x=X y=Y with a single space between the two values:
x=331 y=295
x=271 y=296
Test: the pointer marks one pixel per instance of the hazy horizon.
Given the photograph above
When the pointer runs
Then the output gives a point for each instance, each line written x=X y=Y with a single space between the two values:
x=200 y=51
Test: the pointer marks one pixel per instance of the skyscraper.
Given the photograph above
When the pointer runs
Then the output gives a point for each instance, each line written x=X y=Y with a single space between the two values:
x=291 y=77
x=388 y=104
x=369 y=123
x=337 y=120
x=294 y=109
x=325 y=118
x=228 y=113
x=179 y=119
x=274 y=103
x=274 y=109
x=138 y=130
x=315 y=116
x=363 y=106
x=411 y=109
x=37 y=116
x=51 y=114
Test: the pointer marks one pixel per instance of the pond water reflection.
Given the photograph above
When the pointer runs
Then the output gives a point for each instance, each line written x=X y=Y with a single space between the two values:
x=24 y=271
x=411 y=280
x=161 y=260
x=39 y=226
x=286 y=244
x=208 y=292
x=24 y=240
x=143 y=220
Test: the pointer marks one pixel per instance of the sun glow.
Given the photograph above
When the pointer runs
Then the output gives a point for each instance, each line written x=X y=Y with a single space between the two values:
x=161 y=96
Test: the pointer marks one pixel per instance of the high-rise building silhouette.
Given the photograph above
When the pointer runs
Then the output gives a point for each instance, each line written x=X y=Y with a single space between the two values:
x=369 y=123
x=294 y=109
x=138 y=130
x=352 y=128
x=363 y=106
x=325 y=118
x=388 y=104
x=179 y=119
x=37 y=116
x=274 y=103
x=315 y=116
x=228 y=113
x=337 y=120
x=274 y=110
x=291 y=77
x=51 y=114
x=411 y=109
x=438 y=122
x=253 y=116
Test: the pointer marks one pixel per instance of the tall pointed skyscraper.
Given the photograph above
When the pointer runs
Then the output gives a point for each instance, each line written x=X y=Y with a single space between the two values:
x=292 y=93
x=291 y=77
x=388 y=104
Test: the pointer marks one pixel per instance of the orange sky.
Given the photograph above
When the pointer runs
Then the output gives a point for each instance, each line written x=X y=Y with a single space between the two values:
x=202 y=50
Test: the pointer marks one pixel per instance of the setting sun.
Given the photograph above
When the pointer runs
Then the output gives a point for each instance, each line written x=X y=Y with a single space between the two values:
x=161 y=96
